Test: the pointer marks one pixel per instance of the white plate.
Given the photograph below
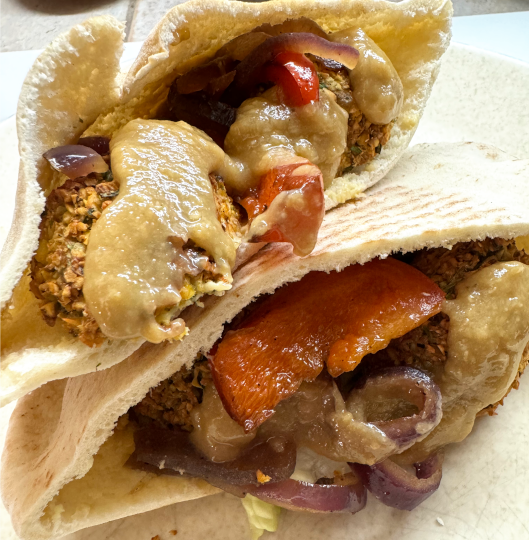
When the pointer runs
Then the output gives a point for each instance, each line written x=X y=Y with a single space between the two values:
x=484 y=494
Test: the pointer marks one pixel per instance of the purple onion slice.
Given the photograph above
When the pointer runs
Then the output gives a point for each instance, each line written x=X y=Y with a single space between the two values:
x=395 y=486
x=407 y=385
x=427 y=468
x=297 y=495
x=171 y=452
x=100 y=144
x=75 y=160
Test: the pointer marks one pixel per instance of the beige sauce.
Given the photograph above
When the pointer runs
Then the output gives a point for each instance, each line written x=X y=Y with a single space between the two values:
x=376 y=85
x=214 y=433
x=317 y=419
x=135 y=262
x=267 y=134
x=489 y=329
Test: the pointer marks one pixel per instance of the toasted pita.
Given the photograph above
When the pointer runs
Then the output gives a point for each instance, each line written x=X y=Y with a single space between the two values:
x=58 y=102
x=62 y=463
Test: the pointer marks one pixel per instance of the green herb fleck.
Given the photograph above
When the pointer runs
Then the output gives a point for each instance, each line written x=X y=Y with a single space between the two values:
x=348 y=169
x=378 y=149
x=98 y=365
x=81 y=120
x=356 y=150
x=108 y=176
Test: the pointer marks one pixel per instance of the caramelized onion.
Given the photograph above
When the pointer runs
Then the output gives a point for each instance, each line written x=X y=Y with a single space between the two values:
x=171 y=452
x=100 y=144
x=398 y=384
x=296 y=495
x=396 y=487
x=241 y=46
x=331 y=65
x=199 y=77
x=75 y=160
x=428 y=467
x=217 y=74
x=250 y=71
x=200 y=110
x=301 y=24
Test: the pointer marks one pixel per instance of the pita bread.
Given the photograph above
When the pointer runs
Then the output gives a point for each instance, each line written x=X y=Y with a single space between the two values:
x=61 y=467
x=58 y=102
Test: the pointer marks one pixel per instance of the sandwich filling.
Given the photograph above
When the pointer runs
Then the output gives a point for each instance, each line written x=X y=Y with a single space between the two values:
x=309 y=403
x=137 y=229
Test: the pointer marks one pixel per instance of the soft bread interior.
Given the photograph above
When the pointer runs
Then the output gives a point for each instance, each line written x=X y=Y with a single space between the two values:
x=436 y=196
x=77 y=77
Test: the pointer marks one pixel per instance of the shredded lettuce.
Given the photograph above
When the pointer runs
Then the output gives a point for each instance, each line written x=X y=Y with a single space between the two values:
x=262 y=516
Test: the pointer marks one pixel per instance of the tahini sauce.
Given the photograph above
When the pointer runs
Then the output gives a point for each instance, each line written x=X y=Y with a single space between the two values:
x=134 y=260
x=376 y=85
x=489 y=329
x=214 y=433
x=267 y=134
x=132 y=268
x=315 y=417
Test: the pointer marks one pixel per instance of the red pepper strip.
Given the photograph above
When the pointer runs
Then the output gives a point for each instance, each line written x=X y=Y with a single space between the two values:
x=296 y=76
x=297 y=223
x=250 y=71
x=335 y=318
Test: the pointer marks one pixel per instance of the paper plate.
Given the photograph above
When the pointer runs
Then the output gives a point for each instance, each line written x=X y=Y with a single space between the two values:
x=484 y=494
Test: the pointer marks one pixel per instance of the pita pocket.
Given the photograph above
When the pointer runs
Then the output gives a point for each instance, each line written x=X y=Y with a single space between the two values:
x=129 y=209
x=442 y=236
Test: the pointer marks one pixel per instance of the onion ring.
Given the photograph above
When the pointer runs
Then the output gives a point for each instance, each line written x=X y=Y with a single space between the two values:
x=396 y=487
x=403 y=382
x=297 y=495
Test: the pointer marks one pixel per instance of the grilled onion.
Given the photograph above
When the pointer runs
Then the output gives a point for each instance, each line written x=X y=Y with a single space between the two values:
x=394 y=486
x=297 y=495
x=171 y=452
x=75 y=160
x=376 y=398
x=100 y=144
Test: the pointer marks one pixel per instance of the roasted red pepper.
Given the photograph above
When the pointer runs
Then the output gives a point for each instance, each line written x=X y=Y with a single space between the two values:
x=298 y=215
x=296 y=76
x=334 y=319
